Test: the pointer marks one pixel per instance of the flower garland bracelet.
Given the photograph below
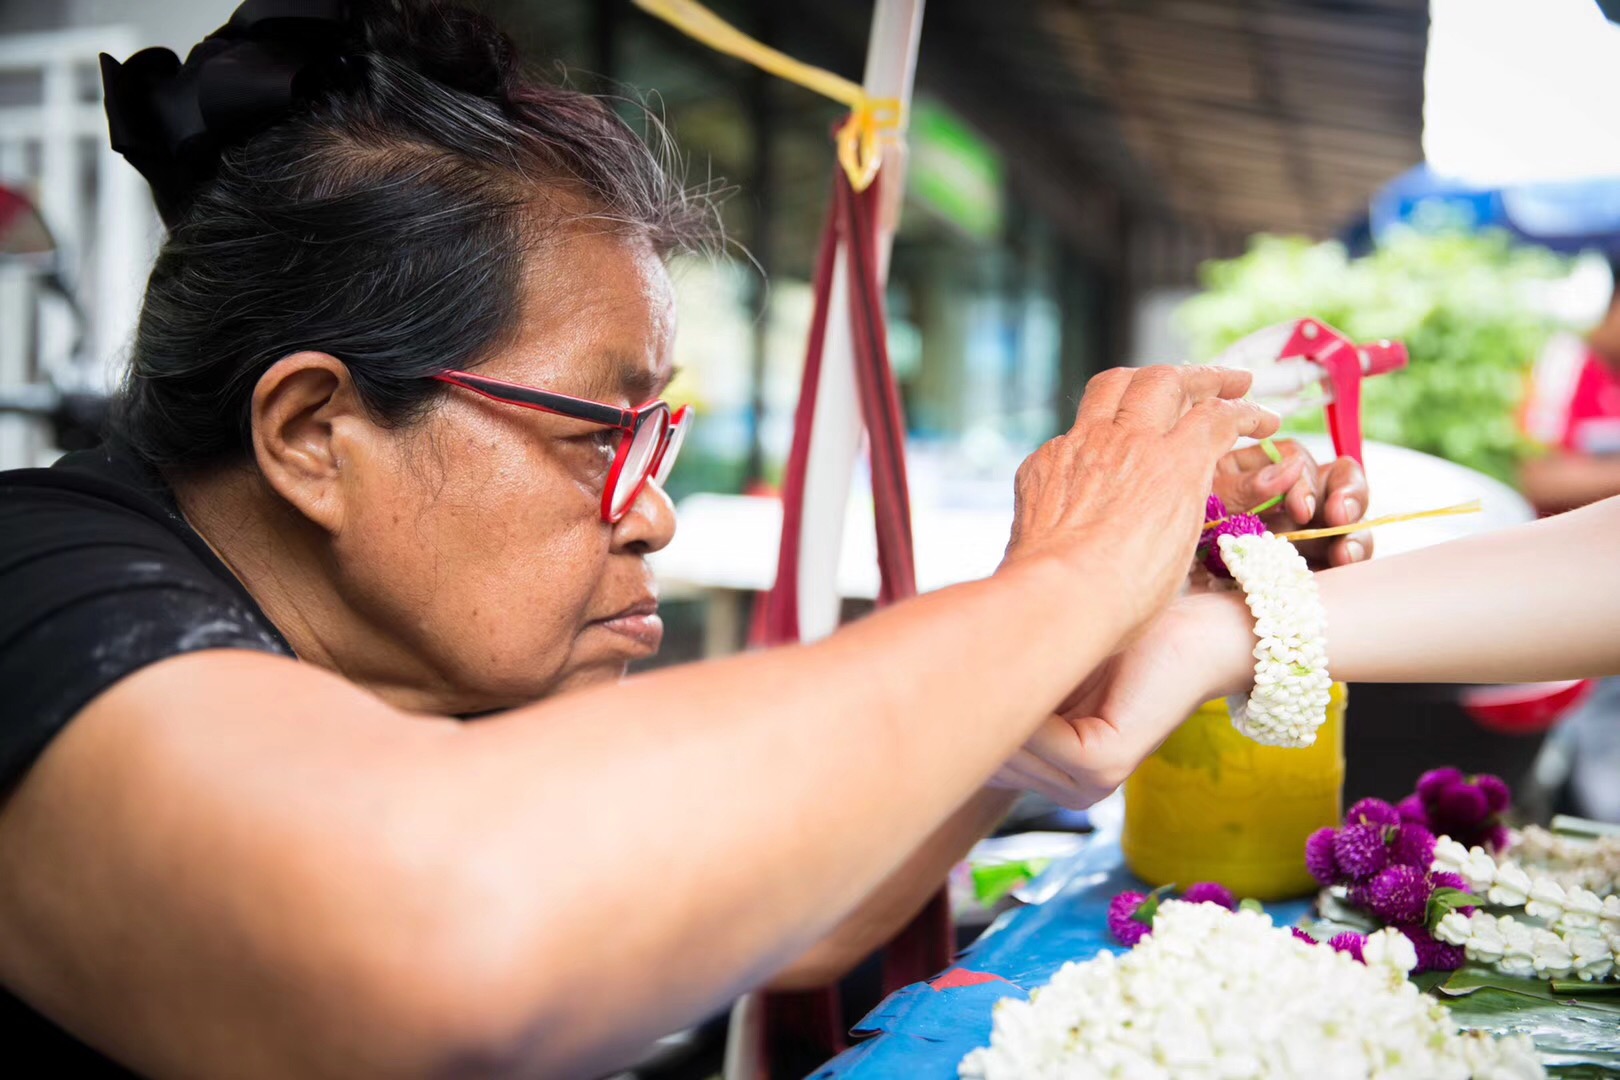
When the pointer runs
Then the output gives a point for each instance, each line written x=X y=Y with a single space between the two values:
x=1291 y=683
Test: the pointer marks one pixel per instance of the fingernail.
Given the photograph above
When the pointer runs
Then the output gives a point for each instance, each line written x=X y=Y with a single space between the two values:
x=1269 y=474
x=1353 y=509
x=1354 y=549
x=1310 y=507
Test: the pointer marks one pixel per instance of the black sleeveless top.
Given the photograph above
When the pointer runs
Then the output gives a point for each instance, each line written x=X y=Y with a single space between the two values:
x=101 y=576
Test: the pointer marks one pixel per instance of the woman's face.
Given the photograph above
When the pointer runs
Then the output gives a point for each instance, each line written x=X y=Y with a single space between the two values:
x=484 y=554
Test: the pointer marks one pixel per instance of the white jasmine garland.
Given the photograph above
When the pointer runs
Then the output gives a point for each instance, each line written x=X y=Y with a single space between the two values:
x=1545 y=900
x=1510 y=887
x=1291 y=683
x=1575 y=931
x=1583 y=910
x=1215 y=993
x=1591 y=863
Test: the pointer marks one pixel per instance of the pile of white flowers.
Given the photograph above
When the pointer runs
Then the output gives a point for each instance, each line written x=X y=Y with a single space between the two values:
x=1291 y=683
x=1572 y=931
x=1215 y=993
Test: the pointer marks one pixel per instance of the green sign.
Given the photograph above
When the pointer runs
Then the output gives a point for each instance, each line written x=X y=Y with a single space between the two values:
x=954 y=172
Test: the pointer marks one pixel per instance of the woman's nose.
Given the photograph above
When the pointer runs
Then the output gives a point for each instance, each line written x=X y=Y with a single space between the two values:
x=650 y=523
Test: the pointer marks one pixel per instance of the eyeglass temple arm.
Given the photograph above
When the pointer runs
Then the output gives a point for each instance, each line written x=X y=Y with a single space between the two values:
x=545 y=400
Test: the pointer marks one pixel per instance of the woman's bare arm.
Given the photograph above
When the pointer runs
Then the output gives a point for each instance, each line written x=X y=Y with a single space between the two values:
x=237 y=863
x=233 y=863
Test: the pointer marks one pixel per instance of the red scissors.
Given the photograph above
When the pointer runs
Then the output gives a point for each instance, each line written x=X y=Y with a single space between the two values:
x=1289 y=358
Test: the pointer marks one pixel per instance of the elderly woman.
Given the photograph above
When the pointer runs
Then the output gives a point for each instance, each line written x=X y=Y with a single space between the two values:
x=390 y=454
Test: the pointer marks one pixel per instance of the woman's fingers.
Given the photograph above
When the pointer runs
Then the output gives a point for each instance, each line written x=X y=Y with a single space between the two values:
x=1357 y=547
x=1344 y=492
x=1221 y=422
x=1247 y=478
x=1160 y=396
x=1103 y=393
x=1344 y=497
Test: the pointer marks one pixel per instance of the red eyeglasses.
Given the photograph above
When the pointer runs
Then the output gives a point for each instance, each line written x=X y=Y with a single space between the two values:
x=650 y=438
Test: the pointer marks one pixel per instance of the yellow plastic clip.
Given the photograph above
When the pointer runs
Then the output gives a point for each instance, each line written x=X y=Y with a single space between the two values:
x=871 y=120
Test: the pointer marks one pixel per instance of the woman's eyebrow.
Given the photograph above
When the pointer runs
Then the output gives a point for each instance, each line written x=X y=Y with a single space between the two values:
x=639 y=384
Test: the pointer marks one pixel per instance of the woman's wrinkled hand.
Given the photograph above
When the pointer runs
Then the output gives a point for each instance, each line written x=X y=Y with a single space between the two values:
x=1121 y=495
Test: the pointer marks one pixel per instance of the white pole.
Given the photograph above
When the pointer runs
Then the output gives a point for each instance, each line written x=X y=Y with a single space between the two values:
x=835 y=435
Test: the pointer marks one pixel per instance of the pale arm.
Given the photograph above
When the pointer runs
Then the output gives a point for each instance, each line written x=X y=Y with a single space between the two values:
x=1533 y=603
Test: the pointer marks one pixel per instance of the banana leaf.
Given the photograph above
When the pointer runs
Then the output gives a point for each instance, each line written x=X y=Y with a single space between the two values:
x=1576 y=1036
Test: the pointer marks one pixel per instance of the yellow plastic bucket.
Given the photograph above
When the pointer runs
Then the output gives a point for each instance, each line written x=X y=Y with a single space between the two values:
x=1213 y=805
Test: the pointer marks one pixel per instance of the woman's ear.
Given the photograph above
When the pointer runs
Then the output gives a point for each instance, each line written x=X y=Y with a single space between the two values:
x=309 y=425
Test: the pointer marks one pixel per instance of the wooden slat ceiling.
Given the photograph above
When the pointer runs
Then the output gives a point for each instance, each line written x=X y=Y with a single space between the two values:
x=1282 y=115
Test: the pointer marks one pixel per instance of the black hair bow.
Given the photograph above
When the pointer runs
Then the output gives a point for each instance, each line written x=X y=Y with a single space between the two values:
x=171 y=119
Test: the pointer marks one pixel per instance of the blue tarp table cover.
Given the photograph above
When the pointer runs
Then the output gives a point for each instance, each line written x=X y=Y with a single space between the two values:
x=922 y=1031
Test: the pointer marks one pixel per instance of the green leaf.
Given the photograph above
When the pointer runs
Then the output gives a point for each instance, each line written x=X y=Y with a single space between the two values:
x=1444 y=901
x=1575 y=1036
x=1577 y=988
x=1150 y=907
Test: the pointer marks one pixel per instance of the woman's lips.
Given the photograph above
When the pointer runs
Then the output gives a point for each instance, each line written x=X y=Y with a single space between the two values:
x=638 y=624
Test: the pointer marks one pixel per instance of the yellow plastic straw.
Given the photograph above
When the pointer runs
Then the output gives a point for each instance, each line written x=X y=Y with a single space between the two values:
x=860 y=138
x=1473 y=507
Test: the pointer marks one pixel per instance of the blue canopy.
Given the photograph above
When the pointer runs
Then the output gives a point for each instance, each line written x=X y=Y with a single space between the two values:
x=1569 y=216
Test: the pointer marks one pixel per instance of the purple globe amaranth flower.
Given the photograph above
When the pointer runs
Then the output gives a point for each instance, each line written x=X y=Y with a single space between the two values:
x=1432 y=954
x=1214 y=509
x=1210 y=892
x=1360 y=851
x=1498 y=796
x=1372 y=812
x=1351 y=943
x=1462 y=807
x=1302 y=935
x=1400 y=895
x=1496 y=840
x=1319 y=858
x=1121 y=922
x=1444 y=879
x=1413 y=846
x=1412 y=811
x=1236 y=525
x=1431 y=783
x=1360 y=894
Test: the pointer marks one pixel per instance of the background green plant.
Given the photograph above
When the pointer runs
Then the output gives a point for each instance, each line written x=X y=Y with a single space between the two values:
x=1464 y=303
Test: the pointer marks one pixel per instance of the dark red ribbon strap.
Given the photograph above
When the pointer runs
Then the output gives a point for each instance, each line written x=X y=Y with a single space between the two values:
x=925 y=946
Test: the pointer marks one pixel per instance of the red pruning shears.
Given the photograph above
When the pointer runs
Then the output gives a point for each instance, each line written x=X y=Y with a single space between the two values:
x=1293 y=356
